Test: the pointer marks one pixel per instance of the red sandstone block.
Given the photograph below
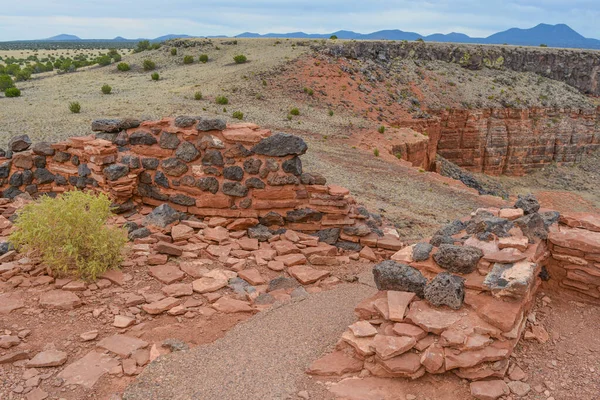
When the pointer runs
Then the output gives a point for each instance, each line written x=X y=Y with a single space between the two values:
x=274 y=194
x=275 y=204
x=213 y=201
x=152 y=151
x=214 y=212
x=245 y=135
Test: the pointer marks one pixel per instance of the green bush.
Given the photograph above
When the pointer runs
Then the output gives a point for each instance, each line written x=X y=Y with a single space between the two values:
x=308 y=91
x=23 y=75
x=75 y=107
x=142 y=46
x=203 y=58
x=294 y=111
x=116 y=57
x=333 y=37
x=70 y=234
x=198 y=95
x=173 y=51
x=240 y=59
x=330 y=113
x=106 y=89
x=103 y=61
x=155 y=76
x=149 y=65
x=376 y=152
x=123 y=67
x=222 y=100
x=238 y=115
x=6 y=82
x=12 y=92
x=381 y=129
x=188 y=59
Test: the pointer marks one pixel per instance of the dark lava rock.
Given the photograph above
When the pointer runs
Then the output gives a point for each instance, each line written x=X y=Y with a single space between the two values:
x=61 y=156
x=188 y=181
x=27 y=177
x=283 y=283
x=5 y=169
x=39 y=161
x=19 y=143
x=183 y=200
x=174 y=167
x=42 y=149
x=168 y=140
x=329 y=235
x=357 y=230
x=42 y=175
x=313 y=179
x=259 y=232
x=119 y=208
x=390 y=275
x=16 y=179
x=175 y=345
x=281 y=145
x=484 y=223
x=114 y=125
x=235 y=189
x=114 y=171
x=142 y=138
x=450 y=229
x=4 y=248
x=347 y=245
x=458 y=259
x=550 y=218
x=130 y=226
x=234 y=173
x=208 y=184
x=528 y=203
x=121 y=139
x=213 y=157
x=421 y=251
x=11 y=193
x=245 y=203
x=254 y=183
x=252 y=166
x=282 y=180
x=533 y=226
x=162 y=216
x=272 y=218
x=264 y=298
x=238 y=151
x=206 y=124
x=303 y=215
x=60 y=180
x=292 y=166
x=150 y=163
x=161 y=179
x=446 y=290
x=183 y=121
x=187 y=152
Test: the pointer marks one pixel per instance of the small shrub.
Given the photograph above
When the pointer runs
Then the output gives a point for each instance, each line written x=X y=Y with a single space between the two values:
x=381 y=129
x=308 y=91
x=149 y=65
x=155 y=76
x=75 y=107
x=188 y=59
x=70 y=234
x=376 y=152
x=203 y=58
x=543 y=45
x=222 y=100
x=198 y=95
x=123 y=67
x=238 y=115
x=333 y=37
x=294 y=111
x=103 y=61
x=240 y=59
x=106 y=89
x=173 y=51
x=12 y=92
x=331 y=113
x=264 y=82
x=6 y=82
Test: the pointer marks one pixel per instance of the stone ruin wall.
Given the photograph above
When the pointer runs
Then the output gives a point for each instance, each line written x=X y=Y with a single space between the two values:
x=198 y=166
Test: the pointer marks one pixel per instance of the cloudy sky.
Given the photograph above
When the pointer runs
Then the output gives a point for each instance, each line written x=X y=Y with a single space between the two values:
x=35 y=19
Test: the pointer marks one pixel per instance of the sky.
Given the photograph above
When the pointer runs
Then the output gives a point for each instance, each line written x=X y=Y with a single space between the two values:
x=105 y=19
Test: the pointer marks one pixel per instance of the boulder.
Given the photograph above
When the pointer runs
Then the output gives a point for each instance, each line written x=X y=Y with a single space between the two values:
x=206 y=124
x=259 y=232
x=533 y=226
x=19 y=143
x=446 y=290
x=421 y=251
x=458 y=259
x=114 y=125
x=292 y=166
x=390 y=275
x=162 y=216
x=183 y=121
x=115 y=171
x=528 y=203
x=43 y=149
x=281 y=145
x=485 y=223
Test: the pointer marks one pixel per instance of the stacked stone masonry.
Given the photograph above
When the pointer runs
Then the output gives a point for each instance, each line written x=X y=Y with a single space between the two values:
x=198 y=166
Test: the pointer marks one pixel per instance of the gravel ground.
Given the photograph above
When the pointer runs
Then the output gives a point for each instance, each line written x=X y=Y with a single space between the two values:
x=263 y=358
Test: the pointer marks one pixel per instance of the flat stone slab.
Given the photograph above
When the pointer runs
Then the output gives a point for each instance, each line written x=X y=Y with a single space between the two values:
x=166 y=274
x=230 y=306
x=307 y=275
x=122 y=345
x=336 y=363
x=61 y=299
x=48 y=358
x=398 y=303
x=10 y=302
x=431 y=319
x=489 y=390
x=161 y=306
x=87 y=370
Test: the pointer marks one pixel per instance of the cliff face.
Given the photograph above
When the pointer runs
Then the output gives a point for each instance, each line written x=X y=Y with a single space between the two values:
x=514 y=142
x=578 y=68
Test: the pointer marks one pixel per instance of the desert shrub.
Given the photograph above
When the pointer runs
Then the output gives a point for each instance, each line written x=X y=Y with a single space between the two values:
x=142 y=46
x=543 y=45
x=294 y=111
x=70 y=234
x=222 y=100
x=149 y=65
x=376 y=152
x=155 y=76
x=103 y=61
x=116 y=57
x=173 y=51
x=203 y=58
x=198 y=95
x=123 y=67
x=238 y=115
x=75 y=107
x=6 y=82
x=309 y=91
x=240 y=59
x=188 y=59
x=333 y=37
x=106 y=89
x=381 y=129
x=23 y=75
x=12 y=92
x=330 y=113
x=155 y=46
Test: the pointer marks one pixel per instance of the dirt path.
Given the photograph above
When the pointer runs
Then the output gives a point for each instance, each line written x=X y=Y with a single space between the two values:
x=264 y=358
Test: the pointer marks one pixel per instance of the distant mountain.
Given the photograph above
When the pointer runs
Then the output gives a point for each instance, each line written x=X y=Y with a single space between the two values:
x=559 y=35
x=64 y=38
